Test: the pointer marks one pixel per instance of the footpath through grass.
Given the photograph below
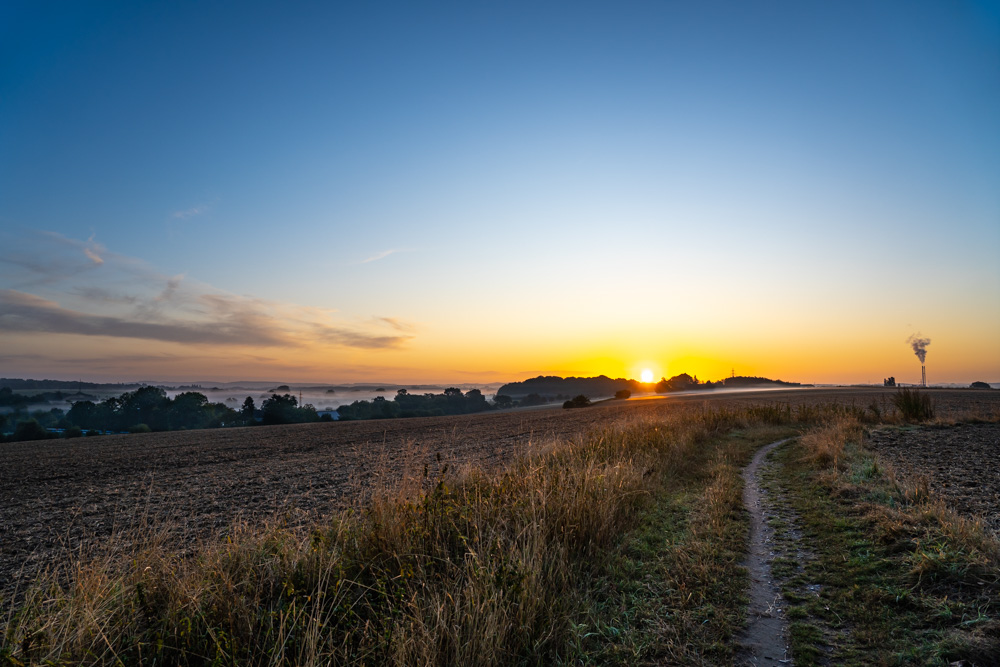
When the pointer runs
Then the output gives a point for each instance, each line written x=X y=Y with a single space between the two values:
x=893 y=577
x=526 y=565
x=620 y=547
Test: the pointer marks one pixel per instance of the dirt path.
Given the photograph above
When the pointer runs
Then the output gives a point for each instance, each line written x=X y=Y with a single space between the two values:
x=766 y=639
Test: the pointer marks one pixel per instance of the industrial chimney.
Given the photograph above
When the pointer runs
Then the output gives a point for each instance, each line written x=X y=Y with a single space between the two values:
x=919 y=346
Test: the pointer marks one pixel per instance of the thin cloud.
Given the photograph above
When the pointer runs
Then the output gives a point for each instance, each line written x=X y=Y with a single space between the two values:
x=93 y=256
x=22 y=312
x=123 y=297
x=395 y=323
x=100 y=295
x=227 y=321
x=382 y=255
x=40 y=258
x=190 y=212
x=350 y=338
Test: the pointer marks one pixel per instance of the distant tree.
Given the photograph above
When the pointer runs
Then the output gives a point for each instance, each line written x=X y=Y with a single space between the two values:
x=187 y=411
x=284 y=410
x=30 y=429
x=503 y=401
x=247 y=411
x=533 y=399
x=85 y=414
x=680 y=382
x=137 y=407
x=48 y=418
x=580 y=401
x=980 y=385
x=475 y=401
x=278 y=409
x=622 y=394
x=452 y=391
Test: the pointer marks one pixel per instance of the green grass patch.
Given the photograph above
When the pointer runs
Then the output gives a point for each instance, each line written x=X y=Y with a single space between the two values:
x=676 y=583
x=902 y=580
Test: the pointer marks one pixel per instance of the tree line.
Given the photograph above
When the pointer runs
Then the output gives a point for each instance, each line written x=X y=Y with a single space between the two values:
x=405 y=404
x=150 y=409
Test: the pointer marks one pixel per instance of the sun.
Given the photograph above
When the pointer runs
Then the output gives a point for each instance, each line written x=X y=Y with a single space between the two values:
x=647 y=376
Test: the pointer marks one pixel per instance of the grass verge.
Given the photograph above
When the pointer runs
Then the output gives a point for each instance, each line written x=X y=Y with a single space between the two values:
x=675 y=591
x=896 y=578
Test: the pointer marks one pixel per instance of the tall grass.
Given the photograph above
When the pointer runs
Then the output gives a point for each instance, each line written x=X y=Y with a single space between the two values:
x=486 y=567
x=474 y=567
x=825 y=445
x=916 y=582
x=913 y=404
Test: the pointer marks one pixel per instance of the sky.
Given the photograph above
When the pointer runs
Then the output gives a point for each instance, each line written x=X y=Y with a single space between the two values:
x=484 y=192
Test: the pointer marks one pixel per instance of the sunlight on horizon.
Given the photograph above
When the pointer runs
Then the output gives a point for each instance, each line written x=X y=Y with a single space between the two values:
x=486 y=194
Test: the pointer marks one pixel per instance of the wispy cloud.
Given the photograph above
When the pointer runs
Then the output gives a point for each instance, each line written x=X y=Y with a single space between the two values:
x=39 y=258
x=191 y=212
x=93 y=256
x=48 y=291
x=22 y=312
x=382 y=255
x=359 y=339
x=395 y=323
x=225 y=321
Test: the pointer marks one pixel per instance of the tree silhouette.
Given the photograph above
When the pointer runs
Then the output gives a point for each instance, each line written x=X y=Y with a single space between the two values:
x=247 y=411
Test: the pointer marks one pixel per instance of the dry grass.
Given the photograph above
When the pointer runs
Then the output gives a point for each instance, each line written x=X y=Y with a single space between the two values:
x=903 y=578
x=825 y=445
x=472 y=567
x=913 y=404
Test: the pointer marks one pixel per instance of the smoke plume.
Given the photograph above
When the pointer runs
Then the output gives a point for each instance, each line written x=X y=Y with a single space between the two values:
x=919 y=346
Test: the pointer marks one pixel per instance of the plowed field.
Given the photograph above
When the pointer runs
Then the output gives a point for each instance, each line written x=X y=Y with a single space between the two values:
x=961 y=463
x=60 y=494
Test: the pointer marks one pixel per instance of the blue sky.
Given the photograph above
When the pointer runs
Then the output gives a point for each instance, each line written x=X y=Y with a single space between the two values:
x=501 y=189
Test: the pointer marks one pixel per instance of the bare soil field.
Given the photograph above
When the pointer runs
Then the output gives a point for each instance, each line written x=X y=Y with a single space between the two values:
x=961 y=464
x=68 y=494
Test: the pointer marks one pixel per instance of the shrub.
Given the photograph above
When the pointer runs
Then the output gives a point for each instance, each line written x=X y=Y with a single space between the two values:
x=914 y=405
x=139 y=428
x=29 y=429
x=580 y=401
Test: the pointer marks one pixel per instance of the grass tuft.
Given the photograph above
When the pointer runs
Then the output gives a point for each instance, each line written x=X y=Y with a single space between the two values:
x=914 y=405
